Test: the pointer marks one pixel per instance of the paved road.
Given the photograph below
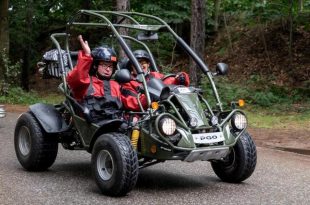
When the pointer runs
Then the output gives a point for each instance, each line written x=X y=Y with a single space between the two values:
x=280 y=178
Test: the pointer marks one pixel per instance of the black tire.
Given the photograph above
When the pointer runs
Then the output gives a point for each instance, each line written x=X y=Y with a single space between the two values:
x=34 y=150
x=114 y=164
x=240 y=163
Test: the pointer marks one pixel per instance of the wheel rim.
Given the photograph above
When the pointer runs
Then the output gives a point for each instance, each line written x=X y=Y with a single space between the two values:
x=230 y=160
x=105 y=165
x=24 y=142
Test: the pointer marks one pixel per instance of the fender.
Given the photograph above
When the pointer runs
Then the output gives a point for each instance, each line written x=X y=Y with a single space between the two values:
x=106 y=126
x=49 y=118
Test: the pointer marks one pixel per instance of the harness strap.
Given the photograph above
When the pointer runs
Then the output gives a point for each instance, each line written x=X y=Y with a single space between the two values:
x=90 y=89
x=126 y=93
x=107 y=89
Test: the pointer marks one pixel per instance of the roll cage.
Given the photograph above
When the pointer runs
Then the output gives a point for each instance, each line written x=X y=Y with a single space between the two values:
x=133 y=21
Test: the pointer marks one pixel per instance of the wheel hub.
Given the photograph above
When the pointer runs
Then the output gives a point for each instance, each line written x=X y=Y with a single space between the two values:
x=105 y=165
x=24 y=142
x=230 y=159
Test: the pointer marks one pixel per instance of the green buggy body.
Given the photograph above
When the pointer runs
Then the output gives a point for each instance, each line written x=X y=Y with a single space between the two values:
x=178 y=124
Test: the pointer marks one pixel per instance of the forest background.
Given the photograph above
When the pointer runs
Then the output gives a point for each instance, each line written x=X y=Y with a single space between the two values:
x=266 y=44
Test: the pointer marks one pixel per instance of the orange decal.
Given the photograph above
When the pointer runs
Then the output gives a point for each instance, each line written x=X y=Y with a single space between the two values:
x=113 y=58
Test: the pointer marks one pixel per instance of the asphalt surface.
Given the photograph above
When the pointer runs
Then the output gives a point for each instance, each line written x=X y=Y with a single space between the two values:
x=280 y=178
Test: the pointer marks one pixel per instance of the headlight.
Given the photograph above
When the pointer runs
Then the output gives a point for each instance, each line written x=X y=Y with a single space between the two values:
x=167 y=126
x=193 y=122
x=239 y=121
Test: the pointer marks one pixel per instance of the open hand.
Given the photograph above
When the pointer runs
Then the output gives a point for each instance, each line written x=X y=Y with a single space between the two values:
x=84 y=45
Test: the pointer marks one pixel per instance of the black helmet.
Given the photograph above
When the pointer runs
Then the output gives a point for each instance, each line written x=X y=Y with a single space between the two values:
x=104 y=53
x=141 y=54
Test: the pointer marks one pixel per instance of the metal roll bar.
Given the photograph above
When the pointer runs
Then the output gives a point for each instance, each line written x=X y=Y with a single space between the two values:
x=162 y=25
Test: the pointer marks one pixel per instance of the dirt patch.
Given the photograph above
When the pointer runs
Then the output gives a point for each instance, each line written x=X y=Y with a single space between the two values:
x=285 y=139
x=16 y=108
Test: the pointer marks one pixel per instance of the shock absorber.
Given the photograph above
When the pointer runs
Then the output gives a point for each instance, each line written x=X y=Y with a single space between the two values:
x=135 y=137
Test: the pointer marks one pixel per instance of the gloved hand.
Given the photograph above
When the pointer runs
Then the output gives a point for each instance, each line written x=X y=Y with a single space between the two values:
x=181 y=78
x=140 y=89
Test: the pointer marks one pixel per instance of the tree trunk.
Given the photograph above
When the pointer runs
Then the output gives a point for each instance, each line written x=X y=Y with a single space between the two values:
x=4 y=35
x=228 y=34
x=217 y=4
x=27 y=48
x=86 y=4
x=122 y=5
x=300 y=6
x=291 y=33
x=197 y=40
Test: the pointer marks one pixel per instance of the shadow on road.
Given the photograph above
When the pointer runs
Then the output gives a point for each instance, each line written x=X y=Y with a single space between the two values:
x=163 y=180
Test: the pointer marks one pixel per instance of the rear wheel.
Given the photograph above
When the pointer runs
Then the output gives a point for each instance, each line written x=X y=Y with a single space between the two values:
x=240 y=163
x=114 y=164
x=34 y=150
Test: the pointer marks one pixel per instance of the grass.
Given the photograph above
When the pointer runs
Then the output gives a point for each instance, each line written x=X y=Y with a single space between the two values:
x=18 y=96
x=267 y=118
x=53 y=98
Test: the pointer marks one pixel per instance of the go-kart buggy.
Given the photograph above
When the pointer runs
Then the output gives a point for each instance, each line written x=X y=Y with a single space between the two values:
x=178 y=124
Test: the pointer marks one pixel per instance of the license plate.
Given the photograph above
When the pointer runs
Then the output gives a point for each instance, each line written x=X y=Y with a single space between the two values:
x=208 y=138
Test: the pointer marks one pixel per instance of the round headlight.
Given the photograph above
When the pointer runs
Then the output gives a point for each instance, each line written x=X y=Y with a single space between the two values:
x=239 y=121
x=167 y=126
x=193 y=122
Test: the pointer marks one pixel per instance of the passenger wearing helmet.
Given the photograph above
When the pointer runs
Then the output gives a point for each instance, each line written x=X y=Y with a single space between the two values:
x=131 y=89
x=90 y=81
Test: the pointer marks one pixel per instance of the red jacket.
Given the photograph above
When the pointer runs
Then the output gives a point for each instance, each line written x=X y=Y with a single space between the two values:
x=130 y=91
x=79 y=81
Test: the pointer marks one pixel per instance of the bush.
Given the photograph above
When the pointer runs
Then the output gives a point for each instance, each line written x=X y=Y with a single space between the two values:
x=265 y=95
x=11 y=74
x=17 y=95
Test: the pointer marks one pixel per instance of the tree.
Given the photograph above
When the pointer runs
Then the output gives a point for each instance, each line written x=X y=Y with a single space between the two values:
x=197 y=39
x=122 y=5
x=300 y=6
x=27 y=47
x=217 y=4
x=4 y=35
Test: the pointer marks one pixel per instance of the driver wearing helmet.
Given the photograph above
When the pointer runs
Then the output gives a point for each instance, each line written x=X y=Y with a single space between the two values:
x=131 y=89
x=91 y=84
x=144 y=60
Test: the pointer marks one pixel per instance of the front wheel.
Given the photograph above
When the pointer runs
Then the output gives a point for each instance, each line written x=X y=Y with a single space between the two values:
x=114 y=164
x=34 y=150
x=240 y=163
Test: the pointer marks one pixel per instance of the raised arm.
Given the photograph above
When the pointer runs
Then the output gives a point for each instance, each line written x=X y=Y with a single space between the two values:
x=78 y=79
x=84 y=45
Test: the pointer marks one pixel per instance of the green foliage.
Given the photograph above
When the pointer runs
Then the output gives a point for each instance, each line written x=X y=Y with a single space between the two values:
x=174 y=12
x=236 y=6
x=257 y=93
x=11 y=74
x=31 y=23
x=16 y=95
